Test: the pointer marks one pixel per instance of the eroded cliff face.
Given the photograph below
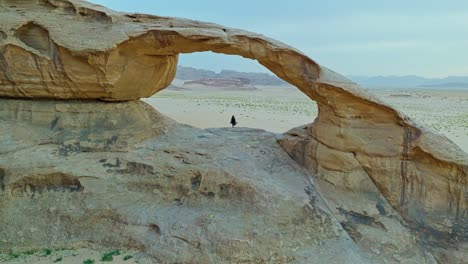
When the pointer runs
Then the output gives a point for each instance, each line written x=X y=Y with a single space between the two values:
x=358 y=145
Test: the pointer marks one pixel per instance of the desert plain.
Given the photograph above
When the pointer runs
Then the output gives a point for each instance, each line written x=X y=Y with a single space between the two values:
x=280 y=108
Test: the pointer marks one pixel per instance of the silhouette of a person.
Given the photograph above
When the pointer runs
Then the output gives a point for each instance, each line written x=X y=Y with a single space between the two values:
x=233 y=121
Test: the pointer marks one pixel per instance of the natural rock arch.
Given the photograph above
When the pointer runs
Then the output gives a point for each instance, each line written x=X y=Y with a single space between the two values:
x=108 y=55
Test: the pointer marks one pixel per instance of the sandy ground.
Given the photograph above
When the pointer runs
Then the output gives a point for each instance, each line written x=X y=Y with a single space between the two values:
x=275 y=109
x=279 y=109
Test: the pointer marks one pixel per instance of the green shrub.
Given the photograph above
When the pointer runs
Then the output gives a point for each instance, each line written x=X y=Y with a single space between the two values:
x=47 y=252
x=109 y=256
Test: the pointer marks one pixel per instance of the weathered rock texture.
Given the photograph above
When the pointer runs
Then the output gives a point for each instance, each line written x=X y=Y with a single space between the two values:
x=177 y=193
x=75 y=50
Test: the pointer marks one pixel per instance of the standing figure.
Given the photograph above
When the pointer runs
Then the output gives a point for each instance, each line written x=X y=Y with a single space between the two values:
x=233 y=121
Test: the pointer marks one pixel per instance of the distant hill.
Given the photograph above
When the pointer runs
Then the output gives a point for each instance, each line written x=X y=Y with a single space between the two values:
x=408 y=81
x=189 y=73
x=237 y=84
x=411 y=81
x=445 y=85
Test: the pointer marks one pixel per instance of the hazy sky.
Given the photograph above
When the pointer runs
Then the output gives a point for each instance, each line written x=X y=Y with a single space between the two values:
x=353 y=37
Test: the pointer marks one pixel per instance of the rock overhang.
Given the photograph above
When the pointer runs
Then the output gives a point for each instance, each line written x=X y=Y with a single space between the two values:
x=97 y=40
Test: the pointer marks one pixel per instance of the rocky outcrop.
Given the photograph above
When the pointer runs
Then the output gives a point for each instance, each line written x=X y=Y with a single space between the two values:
x=357 y=144
x=423 y=175
x=177 y=193
x=181 y=195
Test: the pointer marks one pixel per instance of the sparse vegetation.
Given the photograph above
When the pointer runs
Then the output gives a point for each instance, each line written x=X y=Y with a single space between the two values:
x=441 y=111
x=109 y=256
x=272 y=104
x=62 y=255
x=47 y=252
x=14 y=255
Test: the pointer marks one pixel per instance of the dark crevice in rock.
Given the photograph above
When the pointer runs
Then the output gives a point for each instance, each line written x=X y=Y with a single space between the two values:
x=54 y=122
x=110 y=165
x=351 y=229
x=440 y=239
x=380 y=205
x=97 y=145
x=196 y=182
x=93 y=14
x=195 y=244
x=2 y=180
x=155 y=228
x=137 y=168
x=56 y=182
x=5 y=73
x=227 y=190
x=209 y=194
x=357 y=218
x=312 y=193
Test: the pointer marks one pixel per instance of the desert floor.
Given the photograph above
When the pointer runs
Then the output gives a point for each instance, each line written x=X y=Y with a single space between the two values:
x=277 y=109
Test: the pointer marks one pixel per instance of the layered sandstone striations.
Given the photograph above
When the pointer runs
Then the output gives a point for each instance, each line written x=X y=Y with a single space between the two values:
x=358 y=147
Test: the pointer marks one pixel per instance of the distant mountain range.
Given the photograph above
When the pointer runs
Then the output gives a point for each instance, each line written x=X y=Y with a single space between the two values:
x=410 y=81
x=189 y=73
x=236 y=84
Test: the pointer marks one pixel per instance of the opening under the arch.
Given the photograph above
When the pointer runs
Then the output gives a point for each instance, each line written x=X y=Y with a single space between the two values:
x=210 y=88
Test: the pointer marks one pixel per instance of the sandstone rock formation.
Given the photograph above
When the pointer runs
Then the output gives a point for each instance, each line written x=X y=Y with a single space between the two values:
x=358 y=147
x=121 y=175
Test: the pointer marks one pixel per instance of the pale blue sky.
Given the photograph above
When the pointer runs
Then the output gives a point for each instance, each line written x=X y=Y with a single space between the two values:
x=353 y=37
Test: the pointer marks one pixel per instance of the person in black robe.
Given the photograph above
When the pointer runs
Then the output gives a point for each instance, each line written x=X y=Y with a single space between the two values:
x=233 y=121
